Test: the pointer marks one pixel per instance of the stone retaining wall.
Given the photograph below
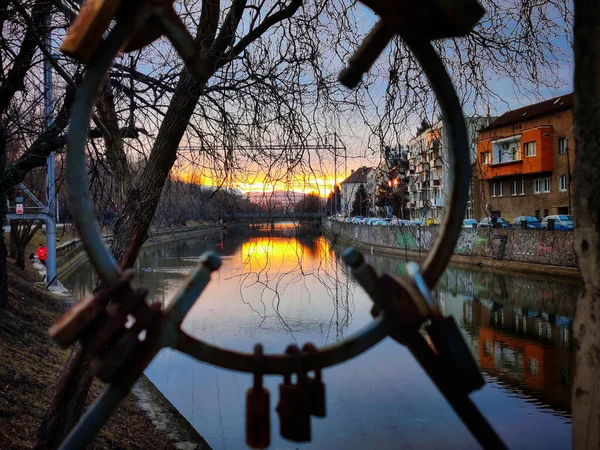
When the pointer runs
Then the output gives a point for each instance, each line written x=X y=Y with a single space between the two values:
x=553 y=248
x=69 y=254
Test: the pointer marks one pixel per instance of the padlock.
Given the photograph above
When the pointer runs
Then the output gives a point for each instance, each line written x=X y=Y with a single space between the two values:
x=89 y=27
x=293 y=408
x=258 y=421
x=454 y=354
x=316 y=388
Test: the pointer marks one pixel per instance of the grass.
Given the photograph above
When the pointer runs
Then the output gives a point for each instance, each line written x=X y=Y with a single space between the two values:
x=31 y=364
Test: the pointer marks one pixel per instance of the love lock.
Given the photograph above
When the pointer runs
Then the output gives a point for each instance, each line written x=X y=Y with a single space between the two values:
x=447 y=339
x=293 y=406
x=316 y=388
x=94 y=18
x=426 y=19
x=101 y=327
x=258 y=420
x=454 y=353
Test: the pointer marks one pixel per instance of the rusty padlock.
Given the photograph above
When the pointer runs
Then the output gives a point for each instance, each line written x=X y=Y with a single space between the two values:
x=258 y=420
x=316 y=388
x=293 y=407
x=454 y=354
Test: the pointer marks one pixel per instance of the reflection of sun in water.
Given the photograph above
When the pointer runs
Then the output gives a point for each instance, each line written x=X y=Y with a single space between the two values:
x=283 y=254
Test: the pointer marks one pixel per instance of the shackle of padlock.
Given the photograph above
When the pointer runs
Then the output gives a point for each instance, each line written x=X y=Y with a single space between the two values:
x=293 y=406
x=421 y=295
x=447 y=339
x=258 y=404
x=316 y=387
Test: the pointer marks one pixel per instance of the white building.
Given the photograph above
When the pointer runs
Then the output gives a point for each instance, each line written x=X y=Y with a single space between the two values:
x=349 y=187
x=428 y=169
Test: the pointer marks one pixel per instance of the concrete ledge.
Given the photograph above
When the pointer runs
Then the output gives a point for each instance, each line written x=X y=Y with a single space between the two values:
x=165 y=417
x=505 y=266
x=71 y=254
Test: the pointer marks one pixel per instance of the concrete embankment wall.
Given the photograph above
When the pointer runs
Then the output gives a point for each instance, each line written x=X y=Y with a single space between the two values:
x=535 y=251
x=70 y=254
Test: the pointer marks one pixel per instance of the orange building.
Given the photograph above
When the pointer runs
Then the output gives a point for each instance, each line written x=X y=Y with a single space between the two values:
x=525 y=160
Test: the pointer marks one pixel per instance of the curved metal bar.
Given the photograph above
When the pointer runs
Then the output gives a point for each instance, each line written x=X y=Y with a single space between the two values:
x=330 y=355
x=81 y=208
x=459 y=160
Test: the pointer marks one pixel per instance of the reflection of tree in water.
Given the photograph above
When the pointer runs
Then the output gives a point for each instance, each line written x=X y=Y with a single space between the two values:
x=284 y=261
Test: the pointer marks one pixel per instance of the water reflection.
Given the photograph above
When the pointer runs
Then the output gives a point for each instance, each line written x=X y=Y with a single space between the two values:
x=519 y=328
x=285 y=286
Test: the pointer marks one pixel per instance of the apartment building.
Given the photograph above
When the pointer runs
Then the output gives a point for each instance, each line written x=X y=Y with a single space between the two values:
x=428 y=183
x=525 y=160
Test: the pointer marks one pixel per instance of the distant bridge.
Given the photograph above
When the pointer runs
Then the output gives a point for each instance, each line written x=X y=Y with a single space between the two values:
x=275 y=216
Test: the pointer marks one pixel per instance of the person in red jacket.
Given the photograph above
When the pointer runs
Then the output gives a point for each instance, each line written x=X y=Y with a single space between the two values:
x=41 y=254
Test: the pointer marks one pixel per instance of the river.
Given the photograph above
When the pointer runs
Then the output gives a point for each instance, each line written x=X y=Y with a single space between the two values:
x=285 y=286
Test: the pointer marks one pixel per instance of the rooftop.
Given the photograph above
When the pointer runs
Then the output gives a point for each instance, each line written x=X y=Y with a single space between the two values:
x=544 y=108
x=359 y=175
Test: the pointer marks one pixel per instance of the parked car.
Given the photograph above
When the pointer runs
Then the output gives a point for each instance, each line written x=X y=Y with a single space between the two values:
x=432 y=221
x=348 y=219
x=561 y=222
x=415 y=223
x=532 y=222
x=487 y=223
x=381 y=222
x=470 y=223
x=400 y=222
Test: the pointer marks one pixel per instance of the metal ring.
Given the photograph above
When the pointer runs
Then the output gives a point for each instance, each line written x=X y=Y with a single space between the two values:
x=370 y=335
x=458 y=158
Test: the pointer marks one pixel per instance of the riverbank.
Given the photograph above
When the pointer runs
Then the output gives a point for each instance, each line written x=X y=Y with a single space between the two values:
x=70 y=254
x=510 y=251
x=144 y=420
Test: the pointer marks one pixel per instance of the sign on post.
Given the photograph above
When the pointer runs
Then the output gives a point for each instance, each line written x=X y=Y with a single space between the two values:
x=19 y=208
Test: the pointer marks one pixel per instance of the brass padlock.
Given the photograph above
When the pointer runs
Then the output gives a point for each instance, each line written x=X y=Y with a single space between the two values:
x=454 y=354
x=258 y=420
x=316 y=388
x=293 y=407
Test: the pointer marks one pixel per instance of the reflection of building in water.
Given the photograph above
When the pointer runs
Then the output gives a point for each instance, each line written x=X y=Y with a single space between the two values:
x=526 y=349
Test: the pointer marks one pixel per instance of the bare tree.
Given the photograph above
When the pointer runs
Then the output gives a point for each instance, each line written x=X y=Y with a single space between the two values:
x=585 y=394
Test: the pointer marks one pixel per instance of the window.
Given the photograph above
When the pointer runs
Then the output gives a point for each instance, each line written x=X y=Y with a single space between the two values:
x=546 y=185
x=530 y=149
x=496 y=189
x=518 y=187
x=485 y=158
x=541 y=185
x=562 y=183
x=562 y=145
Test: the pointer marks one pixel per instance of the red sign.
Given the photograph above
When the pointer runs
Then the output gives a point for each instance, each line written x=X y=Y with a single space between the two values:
x=19 y=208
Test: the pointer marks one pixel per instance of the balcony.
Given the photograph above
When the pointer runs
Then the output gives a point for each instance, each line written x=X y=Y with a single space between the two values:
x=434 y=144
x=435 y=183
x=436 y=202
x=507 y=156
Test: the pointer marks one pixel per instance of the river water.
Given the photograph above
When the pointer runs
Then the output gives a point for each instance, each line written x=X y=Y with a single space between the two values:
x=285 y=286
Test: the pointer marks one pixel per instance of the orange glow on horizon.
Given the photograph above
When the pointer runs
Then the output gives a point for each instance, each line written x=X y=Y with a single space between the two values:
x=321 y=185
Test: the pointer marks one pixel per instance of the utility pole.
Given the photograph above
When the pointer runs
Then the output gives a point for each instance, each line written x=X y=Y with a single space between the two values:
x=46 y=213
x=568 y=179
x=334 y=173
x=50 y=175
